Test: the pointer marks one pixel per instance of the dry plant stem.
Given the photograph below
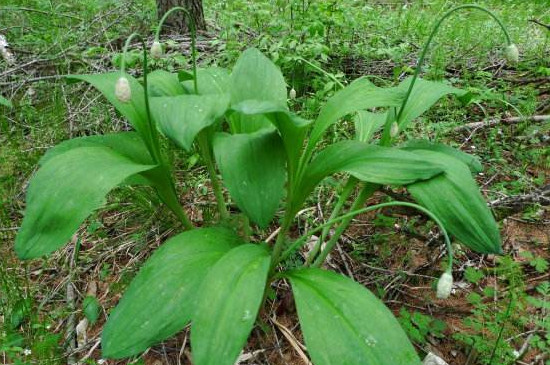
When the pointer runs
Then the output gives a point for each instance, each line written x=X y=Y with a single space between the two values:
x=496 y=121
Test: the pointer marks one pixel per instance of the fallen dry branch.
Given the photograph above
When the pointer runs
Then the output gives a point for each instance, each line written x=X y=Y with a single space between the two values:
x=540 y=196
x=496 y=121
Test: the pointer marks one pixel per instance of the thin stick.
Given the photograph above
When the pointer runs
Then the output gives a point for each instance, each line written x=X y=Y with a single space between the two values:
x=495 y=121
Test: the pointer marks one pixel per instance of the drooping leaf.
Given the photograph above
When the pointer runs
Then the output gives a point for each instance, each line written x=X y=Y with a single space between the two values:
x=344 y=323
x=253 y=170
x=5 y=102
x=164 y=83
x=359 y=95
x=91 y=307
x=134 y=110
x=368 y=123
x=227 y=305
x=471 y=161
x=370 y=163
x=455 y=199
x=161 y=299
x=64 y=191
x=127 y=144
x=182 y=117
x=255 y=77
x=212 y=80
x=423 y=96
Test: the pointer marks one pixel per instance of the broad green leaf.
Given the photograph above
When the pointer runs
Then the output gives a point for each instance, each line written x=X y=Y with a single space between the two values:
x=91 y=307
x=212 y=80
x=161 y=299
x=242 y=123
x=291 y=127
x=370 y=163
x=64 y=192
x=455 y=199
x=127 y=144
x=131 y=146
x=182 y=117
x=253 y=170
x=422 y=144
x=227 y=305
x=255 y=77
x=423 y=96
x=134 y=110
x=164 y=83
x=359 y=95
x=5 y=102
x=344 y=323
x=368 y=123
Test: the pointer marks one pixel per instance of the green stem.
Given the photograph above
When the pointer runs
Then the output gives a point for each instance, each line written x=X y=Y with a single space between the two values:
x=420 y=62
x=329 y=75
x=193 y=38
x=365 y=193
x=346 y=192
x=152 y=140
x=153 y=144
x=302 y=240
x=216 y=187
x=501 y=331
x=280 y=243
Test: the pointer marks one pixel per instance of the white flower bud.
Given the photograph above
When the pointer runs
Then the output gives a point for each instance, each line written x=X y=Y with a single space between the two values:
x=444 y=285
x=394 y=129
x=5 y=52
x=292 y=94
x=156 y=50
x=512 y=53
x=122 y=90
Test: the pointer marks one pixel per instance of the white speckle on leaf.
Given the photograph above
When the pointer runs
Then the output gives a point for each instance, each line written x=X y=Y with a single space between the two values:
x=370 y=341
x=247 y=315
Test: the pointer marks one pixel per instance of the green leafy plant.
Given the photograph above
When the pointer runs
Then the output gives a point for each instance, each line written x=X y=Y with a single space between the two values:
x=217 y=277
x=5 y=102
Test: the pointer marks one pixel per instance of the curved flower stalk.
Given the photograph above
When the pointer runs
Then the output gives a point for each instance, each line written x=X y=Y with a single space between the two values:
x=156 y=48
x=392 y=126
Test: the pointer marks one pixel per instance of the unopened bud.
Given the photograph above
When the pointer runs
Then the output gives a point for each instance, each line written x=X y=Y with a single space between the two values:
x=5 y=52
x=394 y=129
x=444 y=285
x=512 y=53
x=122 y=90
x=292 y=94
x=156 y=50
